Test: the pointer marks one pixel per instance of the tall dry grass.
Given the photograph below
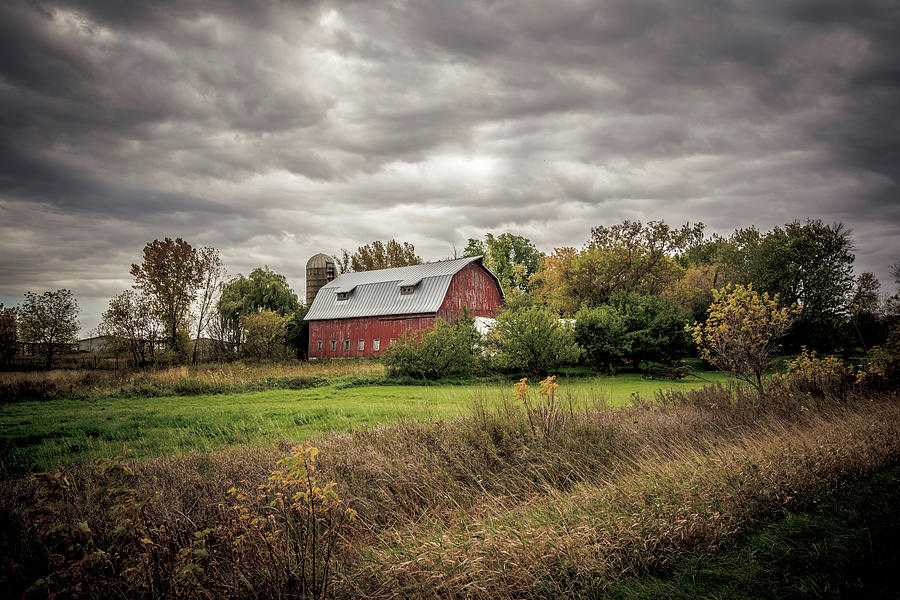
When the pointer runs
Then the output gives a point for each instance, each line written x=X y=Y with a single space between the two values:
x=203 y=378
x=488 y=506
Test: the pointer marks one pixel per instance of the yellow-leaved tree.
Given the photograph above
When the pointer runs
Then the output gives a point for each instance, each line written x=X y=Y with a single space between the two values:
x=740 y=335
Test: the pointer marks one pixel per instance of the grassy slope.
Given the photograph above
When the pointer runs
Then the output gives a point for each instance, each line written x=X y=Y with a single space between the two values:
x=41 y=435
x=847 y=546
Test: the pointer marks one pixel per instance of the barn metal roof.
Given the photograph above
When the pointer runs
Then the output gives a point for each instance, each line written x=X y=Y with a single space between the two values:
x=377 y=293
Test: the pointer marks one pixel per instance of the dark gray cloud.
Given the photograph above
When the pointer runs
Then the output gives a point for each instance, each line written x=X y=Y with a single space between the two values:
x=274 y=130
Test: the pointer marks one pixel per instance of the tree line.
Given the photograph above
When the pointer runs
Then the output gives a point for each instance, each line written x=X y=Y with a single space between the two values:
x=183 y=307
x=640 y=294
x=627 y=294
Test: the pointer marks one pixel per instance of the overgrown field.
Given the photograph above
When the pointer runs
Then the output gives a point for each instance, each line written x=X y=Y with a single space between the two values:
x=39 y=435
x=213 y=378
x=524 y=498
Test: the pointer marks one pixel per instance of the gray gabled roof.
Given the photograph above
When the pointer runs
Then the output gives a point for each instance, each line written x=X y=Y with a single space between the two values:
x=377 y=293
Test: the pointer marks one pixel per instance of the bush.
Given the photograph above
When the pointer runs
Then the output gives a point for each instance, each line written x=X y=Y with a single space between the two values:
x=600 y=332
x=448 y=349
x=531 y=340
x=811 y=376
x=654 y=328
x=740 y=334
x=264 y=335
x=883 y=362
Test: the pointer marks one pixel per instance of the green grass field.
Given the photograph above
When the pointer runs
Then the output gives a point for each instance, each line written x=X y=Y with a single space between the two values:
x=36 y=436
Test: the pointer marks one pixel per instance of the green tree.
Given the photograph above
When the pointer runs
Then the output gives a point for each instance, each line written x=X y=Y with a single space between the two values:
x=448 y=349
x=532 y=340
x=638 y=257
x=741 y=332
x=601 y=333
x=698 y=249
x=865 y=324
x=516 y=298
x=810 y=264
x=170 y=275
x=565 y=280
x=380 y=255
x=263 y=335
x=8 y=333
x=130 y=319
x=512 y=258
x=48 y=320
x=296 y=333
x=739 y=257
x=263 y=290
x=654 y=328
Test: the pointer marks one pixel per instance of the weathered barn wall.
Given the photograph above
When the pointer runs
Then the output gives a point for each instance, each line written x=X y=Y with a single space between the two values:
x=367 y=329
x=472 y=287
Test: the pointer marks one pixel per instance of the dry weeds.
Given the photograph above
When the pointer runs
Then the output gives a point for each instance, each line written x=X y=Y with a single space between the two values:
x=489 y=507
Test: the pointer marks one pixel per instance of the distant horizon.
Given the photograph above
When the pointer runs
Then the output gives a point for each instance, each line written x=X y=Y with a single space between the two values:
x=298 y=282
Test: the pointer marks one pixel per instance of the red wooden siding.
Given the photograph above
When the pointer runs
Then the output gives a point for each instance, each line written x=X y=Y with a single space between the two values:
x=471 y=287
x=474 y=289
x=367 y=329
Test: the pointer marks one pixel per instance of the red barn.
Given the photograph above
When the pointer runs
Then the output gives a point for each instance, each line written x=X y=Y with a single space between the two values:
x=362 y=314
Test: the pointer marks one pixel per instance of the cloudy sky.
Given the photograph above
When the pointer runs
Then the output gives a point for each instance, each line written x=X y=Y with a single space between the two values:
x=273 y=131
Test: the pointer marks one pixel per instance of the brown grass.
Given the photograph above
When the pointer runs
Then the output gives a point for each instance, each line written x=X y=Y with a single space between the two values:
x=214 y=377
x=482 y=507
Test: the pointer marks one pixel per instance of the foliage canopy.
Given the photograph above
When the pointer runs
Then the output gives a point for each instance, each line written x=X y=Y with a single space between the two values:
x=512 y=258
x=47 y=320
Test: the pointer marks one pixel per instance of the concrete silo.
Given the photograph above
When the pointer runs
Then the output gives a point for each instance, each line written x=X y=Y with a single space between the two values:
x=320 y=269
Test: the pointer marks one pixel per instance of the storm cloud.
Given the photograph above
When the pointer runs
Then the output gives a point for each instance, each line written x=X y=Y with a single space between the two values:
x=277 y=130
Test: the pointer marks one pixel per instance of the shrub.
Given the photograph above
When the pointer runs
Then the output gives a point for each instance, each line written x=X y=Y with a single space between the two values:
x=600 y=332
x=546 y=414
x=115 y=555
x=448 y=349
x=811 y=376
x=284 y=530
x=191 y=386
x=740 y=336
x=654 y=328
x=275 y=539
x=531 y=340
x=883 y=362
x=22 y=391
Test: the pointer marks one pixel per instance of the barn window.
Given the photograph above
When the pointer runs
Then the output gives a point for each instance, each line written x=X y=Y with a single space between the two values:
x=346 y=345
x=406 y=289
x=333 y=345
x=362 y=345
x=376 y=345
x=343 y=295
x=393 y=342
x=319 y=345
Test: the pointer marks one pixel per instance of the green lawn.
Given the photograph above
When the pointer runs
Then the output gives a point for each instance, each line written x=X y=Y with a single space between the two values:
x=41 y=435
